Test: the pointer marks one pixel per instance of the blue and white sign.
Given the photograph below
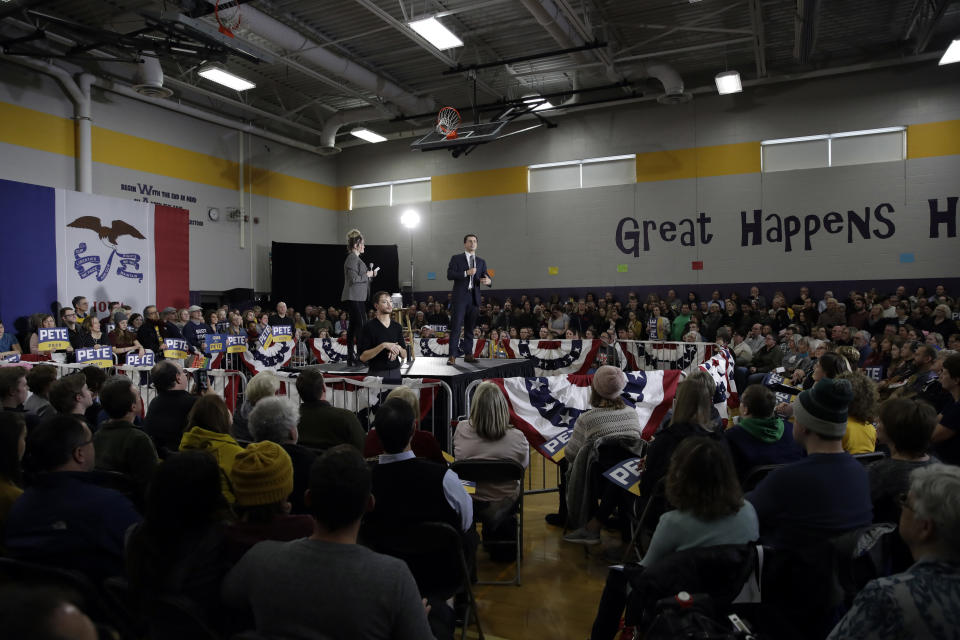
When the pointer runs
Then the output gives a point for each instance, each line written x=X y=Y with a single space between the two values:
x=134 y=359
x=99 y=357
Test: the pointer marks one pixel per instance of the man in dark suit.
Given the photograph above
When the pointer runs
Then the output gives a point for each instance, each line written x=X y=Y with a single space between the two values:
x=468 y=272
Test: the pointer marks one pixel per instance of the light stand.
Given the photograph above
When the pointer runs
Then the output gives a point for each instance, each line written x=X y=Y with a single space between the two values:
x=410 y=219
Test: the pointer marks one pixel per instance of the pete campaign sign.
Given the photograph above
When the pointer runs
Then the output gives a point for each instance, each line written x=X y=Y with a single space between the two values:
x=134 y=359
x=100 y=357
x=55 y=339
x=236 y=344
x=175 y=348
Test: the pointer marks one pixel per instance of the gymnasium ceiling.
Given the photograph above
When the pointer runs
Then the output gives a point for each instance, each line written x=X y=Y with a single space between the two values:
x=357 y=62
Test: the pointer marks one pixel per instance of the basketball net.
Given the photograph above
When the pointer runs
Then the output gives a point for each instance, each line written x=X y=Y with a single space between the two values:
x=448 y=119
x=227 y=13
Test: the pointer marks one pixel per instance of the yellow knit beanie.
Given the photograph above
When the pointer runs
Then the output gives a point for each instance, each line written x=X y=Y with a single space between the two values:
x=262 y=474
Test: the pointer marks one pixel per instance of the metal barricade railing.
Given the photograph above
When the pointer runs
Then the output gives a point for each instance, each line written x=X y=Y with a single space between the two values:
x=364 y=395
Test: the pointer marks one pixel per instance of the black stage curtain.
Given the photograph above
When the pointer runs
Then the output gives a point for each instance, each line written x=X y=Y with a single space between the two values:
x=313 y=273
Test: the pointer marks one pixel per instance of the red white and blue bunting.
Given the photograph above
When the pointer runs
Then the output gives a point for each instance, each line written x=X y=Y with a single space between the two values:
x=273 y=357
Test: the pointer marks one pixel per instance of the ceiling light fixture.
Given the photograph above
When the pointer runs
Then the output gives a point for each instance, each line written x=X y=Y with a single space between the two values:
x=952 y=54
x=544 y=103
x=728 y=82
x=366 y=134
x=436 y=34
x=227 y=79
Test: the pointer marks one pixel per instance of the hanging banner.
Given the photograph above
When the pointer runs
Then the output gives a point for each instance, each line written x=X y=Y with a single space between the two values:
x=99 y=357
x=105 y=249
x=175 y=348
x=55 y=339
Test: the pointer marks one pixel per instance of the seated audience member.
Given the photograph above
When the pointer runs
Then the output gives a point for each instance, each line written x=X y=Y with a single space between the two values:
x=922 y=603
x=178 y=548
x=166 y=416
x=327 y=583
x=412 y=490
x=825 y=494
x=423 y=445
x=96 y=377
x=610 y=418
x=321 y=424
x=43 y=613
x=8 y=343
x=861 y=435
x=905 y=426
x=13 y=393
x=828 y=365
x=263 y=481
x=765 y=360
x=70 y=395
x=946 y=440
x=265 y=384
x=63 y=519
x=120 y=445
x=759 y=437
x=13 y=442
x=692 y=411
x=487 y=435
x=923 y=374
x=68 y=319
x=92 y=335
x=121 y=339
x=39 y=380
x=275 y=419
x=710 y=510
x=46 y=321
x=210 y=432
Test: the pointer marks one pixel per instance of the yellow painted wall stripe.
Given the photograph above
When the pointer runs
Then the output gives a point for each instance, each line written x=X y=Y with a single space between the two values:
x=699 y=162
x=271 y=184
x=140 y=154
x=36 y=130
x=933 y=139
x=476 y=184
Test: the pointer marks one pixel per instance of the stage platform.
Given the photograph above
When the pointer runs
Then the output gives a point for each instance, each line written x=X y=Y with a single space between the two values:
x=457 y=376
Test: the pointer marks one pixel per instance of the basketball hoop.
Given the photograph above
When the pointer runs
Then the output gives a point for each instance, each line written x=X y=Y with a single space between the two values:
x=447 y=122
x=227 y=13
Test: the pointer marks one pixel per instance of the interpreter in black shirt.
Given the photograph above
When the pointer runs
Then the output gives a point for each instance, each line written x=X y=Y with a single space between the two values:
x=381 y=342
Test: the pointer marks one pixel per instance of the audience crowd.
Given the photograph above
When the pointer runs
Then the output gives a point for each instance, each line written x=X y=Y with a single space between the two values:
x=279 y=517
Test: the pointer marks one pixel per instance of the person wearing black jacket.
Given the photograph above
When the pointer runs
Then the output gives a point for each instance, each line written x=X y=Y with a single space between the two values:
x=155 y=330
x=166 y=417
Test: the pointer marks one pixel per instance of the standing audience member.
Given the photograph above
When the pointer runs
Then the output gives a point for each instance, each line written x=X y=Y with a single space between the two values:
x=39 y=380
x=265 y=384
x=263 y=481
x=905 y=426
x=178 y=548
x=120 y=445
x=63 y=519
x=166 y=416
x=945 y=438
x=825 y=494
x=13 y=443
x=96 y=377
x=121 y=340
x=759 y=437
x=210 y=432
x=423 y=445
x=327 y=583
x=322 y=425
x=275 y=420
x=861 y=435
x=922 y=603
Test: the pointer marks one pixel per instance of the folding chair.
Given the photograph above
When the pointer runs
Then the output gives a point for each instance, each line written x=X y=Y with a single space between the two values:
x=481 y=471
x=434 y=553
x=643 y=524
x=756 y=474
x=869 y=458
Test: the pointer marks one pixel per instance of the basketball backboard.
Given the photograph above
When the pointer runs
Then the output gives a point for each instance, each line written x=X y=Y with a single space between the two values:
x=467 y=135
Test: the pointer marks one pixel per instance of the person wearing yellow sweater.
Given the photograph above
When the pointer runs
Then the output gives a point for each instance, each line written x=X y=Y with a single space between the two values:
x=861 y=435
x=210 y=431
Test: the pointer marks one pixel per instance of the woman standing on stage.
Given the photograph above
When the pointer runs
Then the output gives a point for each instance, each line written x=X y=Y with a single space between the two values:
x=356 y=291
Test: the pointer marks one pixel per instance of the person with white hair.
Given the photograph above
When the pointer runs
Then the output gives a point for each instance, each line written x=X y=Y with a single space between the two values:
x=275 y=419
x=265 y=384
x=923 y=601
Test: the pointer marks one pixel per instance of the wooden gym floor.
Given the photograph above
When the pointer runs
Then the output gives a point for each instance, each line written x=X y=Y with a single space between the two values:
x=561 y=583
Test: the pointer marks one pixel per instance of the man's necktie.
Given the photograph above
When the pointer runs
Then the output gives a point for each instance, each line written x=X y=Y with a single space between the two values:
x=473 y=265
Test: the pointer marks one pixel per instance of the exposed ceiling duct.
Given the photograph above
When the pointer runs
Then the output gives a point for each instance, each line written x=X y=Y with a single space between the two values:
x=328 y=139
x=291 y=40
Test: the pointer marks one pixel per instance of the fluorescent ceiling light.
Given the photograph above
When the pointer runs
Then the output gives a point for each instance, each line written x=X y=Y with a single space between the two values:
x=227 y=79
x=728 y=82
x=369 y=136
x=952 y=54
x=544 y=103
x=436 y=34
